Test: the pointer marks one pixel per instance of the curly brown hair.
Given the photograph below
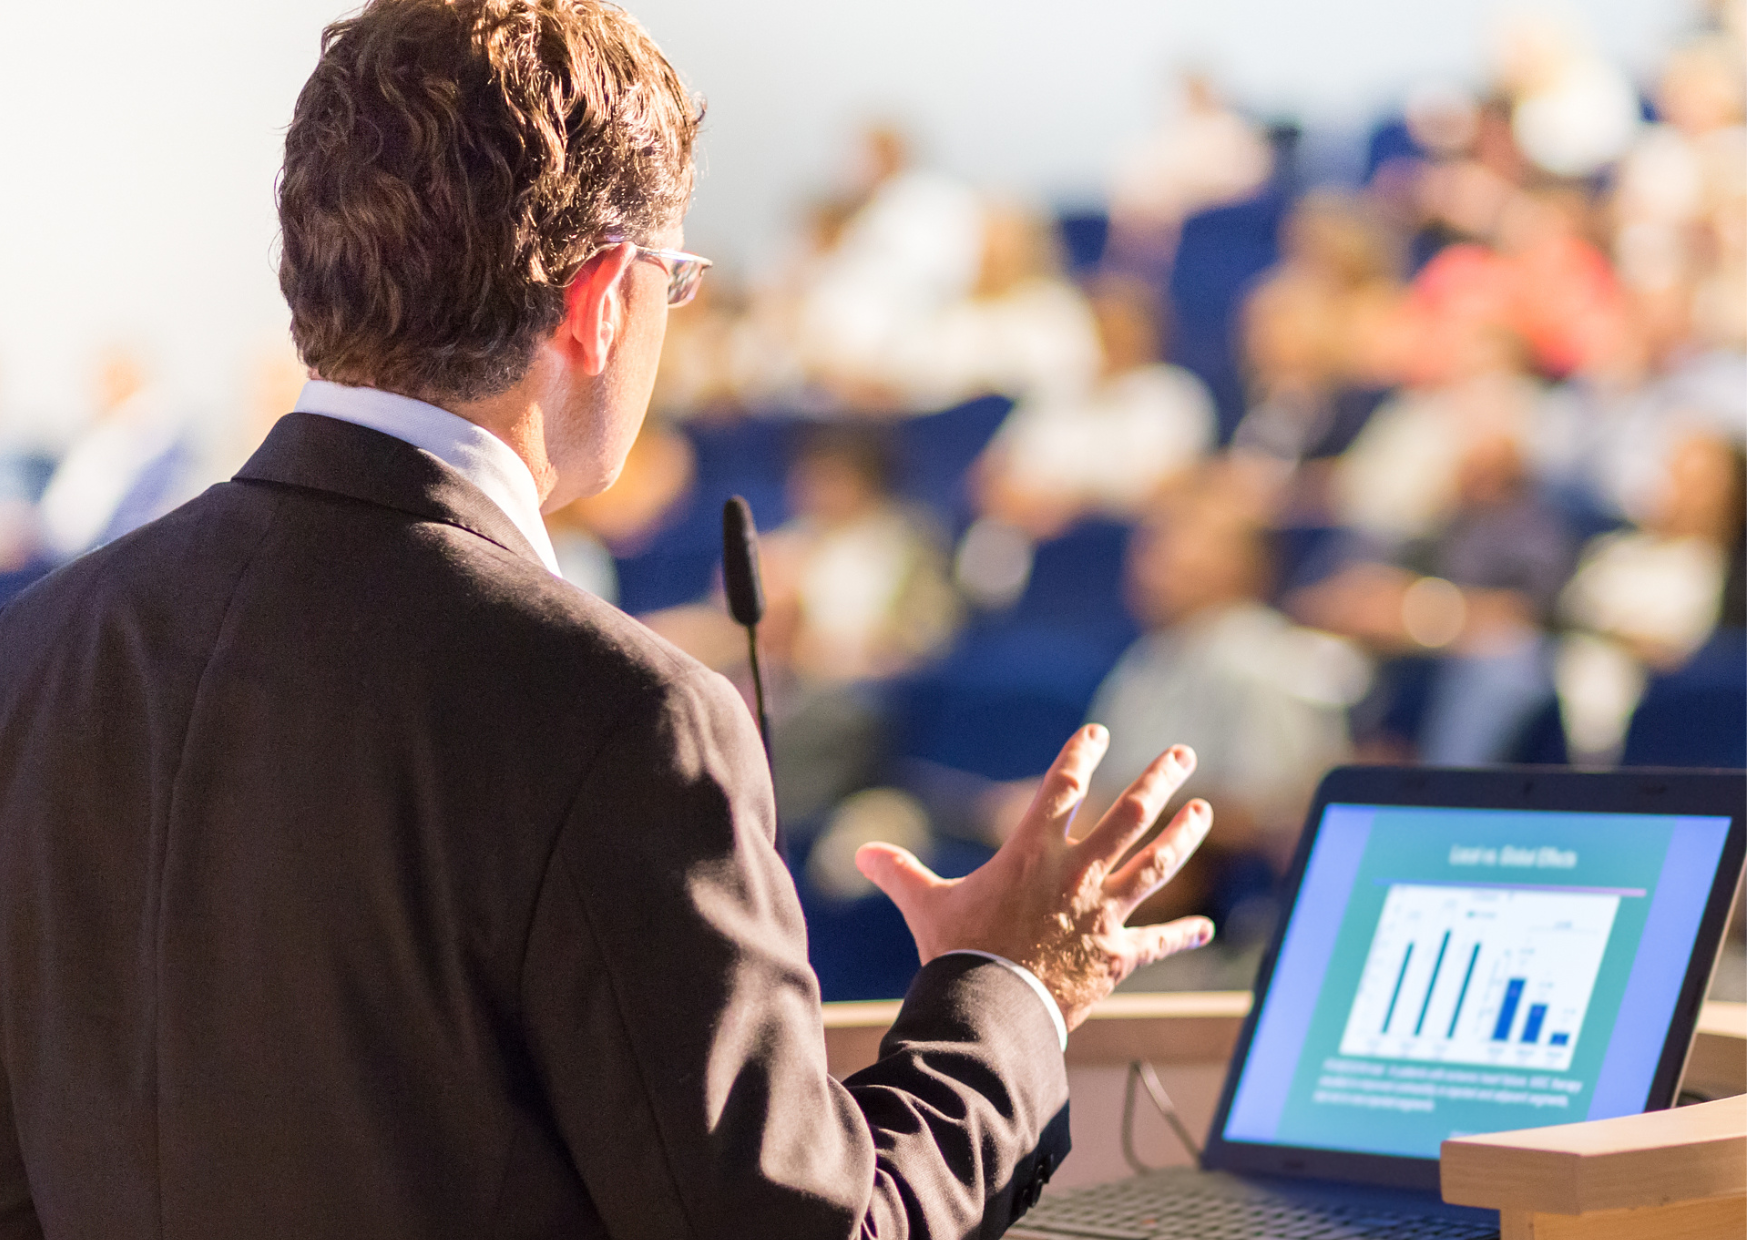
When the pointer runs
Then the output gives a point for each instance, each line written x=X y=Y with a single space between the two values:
x=449 y=167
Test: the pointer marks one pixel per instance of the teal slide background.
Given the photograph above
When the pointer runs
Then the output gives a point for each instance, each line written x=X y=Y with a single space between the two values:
x=1613 y=850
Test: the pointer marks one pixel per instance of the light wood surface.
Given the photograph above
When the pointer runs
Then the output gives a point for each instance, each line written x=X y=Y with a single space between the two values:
x=1636 y=1161
x=1201 y=1027
x=1169 y=1027
x=1713 y=1218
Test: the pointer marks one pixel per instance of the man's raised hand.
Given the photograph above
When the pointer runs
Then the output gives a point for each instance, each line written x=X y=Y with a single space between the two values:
x=1056 y=905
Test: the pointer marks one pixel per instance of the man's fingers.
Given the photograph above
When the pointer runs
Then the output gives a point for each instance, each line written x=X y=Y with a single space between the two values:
x=1141 y=803
x=898 y=873
x=1152 y=867
x=1065 y=784
x=1157 y=942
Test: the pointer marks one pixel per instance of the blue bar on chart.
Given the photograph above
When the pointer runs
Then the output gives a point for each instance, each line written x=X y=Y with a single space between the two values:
x=1559 y=1039
x=1508 y=1009
x=1437 y=964
x=1464 y=992
x=1397 y=993
x=1532 y=1024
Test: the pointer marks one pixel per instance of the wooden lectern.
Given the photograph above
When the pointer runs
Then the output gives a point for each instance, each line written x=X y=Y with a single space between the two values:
x=1663 y=1175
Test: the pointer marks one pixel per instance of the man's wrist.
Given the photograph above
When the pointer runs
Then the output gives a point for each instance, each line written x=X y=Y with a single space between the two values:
x=1031 y=979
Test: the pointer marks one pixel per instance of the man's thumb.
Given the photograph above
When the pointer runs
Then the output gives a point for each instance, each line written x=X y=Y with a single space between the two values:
x=897 y=872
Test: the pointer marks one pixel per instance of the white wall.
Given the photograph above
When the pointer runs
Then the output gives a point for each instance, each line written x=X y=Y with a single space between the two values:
x=138 y=141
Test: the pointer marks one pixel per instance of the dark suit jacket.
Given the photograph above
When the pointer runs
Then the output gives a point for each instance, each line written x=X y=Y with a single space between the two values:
x=358 y=878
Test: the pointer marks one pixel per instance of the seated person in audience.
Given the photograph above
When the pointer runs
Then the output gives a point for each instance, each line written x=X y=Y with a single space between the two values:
x=1110 y=448
x=856 y=583
x=1201 y=154
x=1604 y=436
x=856 y=591
x=1400 y=479
x=905 y=245
x=1645 y=600
x=1264 y=700
x=1023 y=330
x=1321 y=334
x=1479 y=592
x=135 y=461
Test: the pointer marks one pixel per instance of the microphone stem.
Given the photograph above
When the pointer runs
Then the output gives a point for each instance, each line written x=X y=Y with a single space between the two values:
x=780 y=840
x=759 y=689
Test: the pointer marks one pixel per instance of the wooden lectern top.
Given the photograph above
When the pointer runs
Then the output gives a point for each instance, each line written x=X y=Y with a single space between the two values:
x=1633 y=1162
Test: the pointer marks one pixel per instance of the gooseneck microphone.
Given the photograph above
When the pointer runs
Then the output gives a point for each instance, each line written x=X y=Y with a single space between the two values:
x=746 y=593
x=746 y=603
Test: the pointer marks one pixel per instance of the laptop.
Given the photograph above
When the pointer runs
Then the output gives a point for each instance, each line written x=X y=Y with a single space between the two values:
x=1463 y=951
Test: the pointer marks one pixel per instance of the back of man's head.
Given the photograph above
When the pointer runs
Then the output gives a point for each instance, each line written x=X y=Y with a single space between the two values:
x=449 y=167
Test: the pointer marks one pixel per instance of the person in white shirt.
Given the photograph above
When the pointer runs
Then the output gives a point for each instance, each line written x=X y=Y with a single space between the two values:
x=1107 y=448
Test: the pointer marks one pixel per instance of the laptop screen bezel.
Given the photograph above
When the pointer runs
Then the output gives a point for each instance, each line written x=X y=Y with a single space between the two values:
x=1643 y=790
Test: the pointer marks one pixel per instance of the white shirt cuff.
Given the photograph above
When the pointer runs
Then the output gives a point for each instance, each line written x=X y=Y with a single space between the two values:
x=1031 y=979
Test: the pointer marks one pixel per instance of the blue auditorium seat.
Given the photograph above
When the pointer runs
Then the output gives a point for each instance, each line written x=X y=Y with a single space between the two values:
x=14 y=583
x=1016 y=684
x=1389 y=141
x=1220 y=254
x=934 y=451
x=1084 y=237
x=1698 y=714
x=1077 y=579
x=680 y=562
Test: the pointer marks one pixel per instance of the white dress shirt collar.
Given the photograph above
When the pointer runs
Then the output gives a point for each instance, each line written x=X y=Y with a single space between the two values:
x=472 y=451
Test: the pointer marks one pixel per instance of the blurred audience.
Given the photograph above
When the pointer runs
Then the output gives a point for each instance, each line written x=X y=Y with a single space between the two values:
x=1201 y=154
x=1260 y=700
x=1478 y=588
x=856 y=583
x=905 y=245
x=1482 y=497
x=1645 y=600
x=135 y=461
x=1108 y=447
x=1022 y=330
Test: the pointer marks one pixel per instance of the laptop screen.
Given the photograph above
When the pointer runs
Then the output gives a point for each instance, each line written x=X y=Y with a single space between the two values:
x=1455 y=971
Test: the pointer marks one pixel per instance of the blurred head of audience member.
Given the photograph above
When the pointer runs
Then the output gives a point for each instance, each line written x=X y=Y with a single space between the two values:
x=1022 y=328
x=856 y=583
x=1260 y=700
x=1201 y=154
x=1462 y=189
x=1643 y=601
x=912 y=246
x=1573 y=111
x=1107 y=448
x=1321 y=336
x=133 y=462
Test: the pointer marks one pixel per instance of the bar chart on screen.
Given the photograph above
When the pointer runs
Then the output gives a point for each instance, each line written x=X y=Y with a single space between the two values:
x=1486 y=974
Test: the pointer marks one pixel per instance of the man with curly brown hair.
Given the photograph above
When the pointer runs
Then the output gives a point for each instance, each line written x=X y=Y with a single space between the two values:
x=359 y=877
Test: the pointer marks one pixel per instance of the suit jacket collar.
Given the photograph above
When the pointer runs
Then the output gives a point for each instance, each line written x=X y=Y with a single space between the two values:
x=326 y=454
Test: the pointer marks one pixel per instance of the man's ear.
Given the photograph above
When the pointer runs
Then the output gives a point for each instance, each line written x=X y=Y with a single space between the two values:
x=594 y=309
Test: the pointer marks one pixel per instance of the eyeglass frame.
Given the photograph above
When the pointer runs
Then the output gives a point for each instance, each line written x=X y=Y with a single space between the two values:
x=682 y=284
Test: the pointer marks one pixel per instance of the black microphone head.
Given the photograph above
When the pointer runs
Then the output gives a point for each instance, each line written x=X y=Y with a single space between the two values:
x=740 y=563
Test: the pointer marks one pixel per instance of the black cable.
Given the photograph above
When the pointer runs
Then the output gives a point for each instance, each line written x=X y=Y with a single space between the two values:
x=1142 y=1071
